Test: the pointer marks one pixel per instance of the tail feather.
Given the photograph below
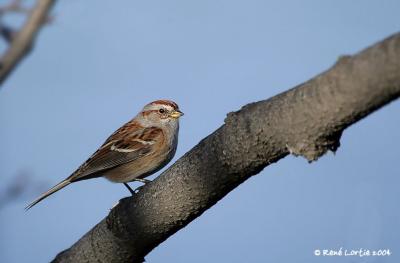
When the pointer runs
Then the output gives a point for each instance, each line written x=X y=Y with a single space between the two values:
x=49 y=192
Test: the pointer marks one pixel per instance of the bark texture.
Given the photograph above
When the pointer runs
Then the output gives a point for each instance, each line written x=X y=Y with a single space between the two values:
x=307 y=120
x=22 y=42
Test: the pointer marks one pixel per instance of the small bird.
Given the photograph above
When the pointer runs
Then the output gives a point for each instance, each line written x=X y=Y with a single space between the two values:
x=138 y=149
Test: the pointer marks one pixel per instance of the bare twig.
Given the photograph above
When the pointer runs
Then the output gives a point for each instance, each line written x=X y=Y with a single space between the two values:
x=22 y=41
x=7 y=32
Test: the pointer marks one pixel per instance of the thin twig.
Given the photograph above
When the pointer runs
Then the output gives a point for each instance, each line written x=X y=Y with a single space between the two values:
x=23 y=40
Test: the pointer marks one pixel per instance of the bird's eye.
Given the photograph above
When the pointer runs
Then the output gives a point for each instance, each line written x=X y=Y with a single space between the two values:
x=161 y=110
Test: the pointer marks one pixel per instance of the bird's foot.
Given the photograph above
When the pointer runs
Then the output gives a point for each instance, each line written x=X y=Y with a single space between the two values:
x=145 y=181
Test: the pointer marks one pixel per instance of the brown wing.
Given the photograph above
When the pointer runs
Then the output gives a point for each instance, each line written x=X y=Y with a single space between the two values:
x=121 y=147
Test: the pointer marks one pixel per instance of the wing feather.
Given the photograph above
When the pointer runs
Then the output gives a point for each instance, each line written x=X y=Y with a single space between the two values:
x=121 y=147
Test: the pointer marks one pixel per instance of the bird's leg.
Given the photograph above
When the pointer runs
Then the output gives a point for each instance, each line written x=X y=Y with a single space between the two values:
x=145 y=181
x=129 y=188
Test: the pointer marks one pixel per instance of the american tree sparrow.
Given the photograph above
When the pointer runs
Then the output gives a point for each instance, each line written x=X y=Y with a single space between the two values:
x=138 y=149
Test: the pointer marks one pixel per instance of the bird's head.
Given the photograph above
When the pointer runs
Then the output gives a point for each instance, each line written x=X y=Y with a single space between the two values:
x=161 y=112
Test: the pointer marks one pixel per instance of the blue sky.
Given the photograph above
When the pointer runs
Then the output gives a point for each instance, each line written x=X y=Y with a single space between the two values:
x=101 y=61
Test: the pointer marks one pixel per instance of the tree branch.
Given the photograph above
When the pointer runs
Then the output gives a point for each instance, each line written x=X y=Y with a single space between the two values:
x=307 y=120
x=22 y=41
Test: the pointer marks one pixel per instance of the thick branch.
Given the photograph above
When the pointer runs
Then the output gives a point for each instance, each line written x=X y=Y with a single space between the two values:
x=307 y=120
x=22 y=42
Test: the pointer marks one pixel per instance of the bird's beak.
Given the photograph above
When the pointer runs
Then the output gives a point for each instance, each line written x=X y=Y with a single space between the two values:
x=176 y=114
